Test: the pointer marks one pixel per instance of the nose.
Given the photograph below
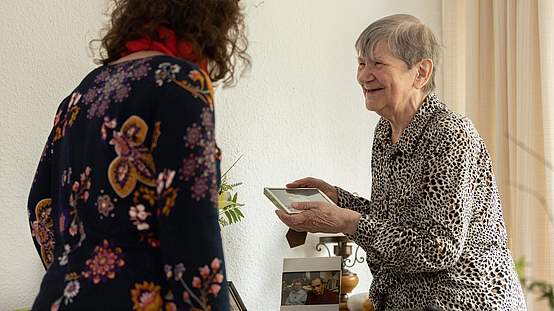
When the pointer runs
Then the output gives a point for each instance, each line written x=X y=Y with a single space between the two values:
x=365 y=74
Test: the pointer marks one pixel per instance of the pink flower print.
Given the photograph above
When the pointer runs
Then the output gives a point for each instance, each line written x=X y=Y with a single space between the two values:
x=188 y=168
x=204 y=272
x=207 y=118
x=75 y=97
x=73 y=229
x=186 y=297
x=216 y=264
x=196 y=282
x=62 y=222
x=105 y=205
x=214 y=289
x=165 y=179
x=218 y=278
x=55 y=306
x=71 y=290
x=138 y=216
x=193 y=137
x=108 y=124
x=106 y=262
x=200 y=188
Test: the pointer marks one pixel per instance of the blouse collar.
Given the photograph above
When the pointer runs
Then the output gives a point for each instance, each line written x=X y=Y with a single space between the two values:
x=411 y=135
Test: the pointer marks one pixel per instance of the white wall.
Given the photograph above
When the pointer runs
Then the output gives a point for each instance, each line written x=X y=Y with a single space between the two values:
x=298 y=112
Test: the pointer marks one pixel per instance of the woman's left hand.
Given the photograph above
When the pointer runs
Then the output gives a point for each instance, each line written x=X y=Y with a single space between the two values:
x=320 y=217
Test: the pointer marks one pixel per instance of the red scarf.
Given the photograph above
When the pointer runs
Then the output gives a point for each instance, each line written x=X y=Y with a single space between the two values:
x=169 y=46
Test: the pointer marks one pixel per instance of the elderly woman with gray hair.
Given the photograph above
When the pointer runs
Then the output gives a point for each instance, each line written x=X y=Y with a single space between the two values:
x=433 y=230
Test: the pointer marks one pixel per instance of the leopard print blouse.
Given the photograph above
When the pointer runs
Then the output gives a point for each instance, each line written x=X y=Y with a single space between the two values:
x=433 y=230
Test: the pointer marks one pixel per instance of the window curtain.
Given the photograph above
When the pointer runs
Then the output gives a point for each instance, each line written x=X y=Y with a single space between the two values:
x=498 y=70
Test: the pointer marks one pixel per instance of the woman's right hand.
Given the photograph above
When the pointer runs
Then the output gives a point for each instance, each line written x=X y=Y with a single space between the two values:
x=310 y=182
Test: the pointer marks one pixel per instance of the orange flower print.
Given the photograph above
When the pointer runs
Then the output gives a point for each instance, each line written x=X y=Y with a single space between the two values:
x=201 y=86
x=134 y=162
x=146 y=297
x=166 y=193
x=43 y=230
x=106 y=262
x=205 y=84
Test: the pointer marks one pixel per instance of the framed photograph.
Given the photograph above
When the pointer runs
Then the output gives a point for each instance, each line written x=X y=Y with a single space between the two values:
x=235 y=302
x=311 y=284
x=282 y=198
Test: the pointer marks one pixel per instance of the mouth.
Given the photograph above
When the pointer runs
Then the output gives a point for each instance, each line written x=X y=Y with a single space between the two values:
x=371 y=91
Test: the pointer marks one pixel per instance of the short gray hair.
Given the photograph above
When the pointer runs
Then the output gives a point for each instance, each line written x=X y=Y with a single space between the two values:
x=408 y=39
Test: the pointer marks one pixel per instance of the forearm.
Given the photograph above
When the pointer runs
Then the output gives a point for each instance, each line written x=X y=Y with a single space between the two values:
x=424 y=247
x=351 y=201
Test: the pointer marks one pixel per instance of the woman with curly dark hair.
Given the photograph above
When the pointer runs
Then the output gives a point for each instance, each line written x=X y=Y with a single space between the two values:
x=123 y=207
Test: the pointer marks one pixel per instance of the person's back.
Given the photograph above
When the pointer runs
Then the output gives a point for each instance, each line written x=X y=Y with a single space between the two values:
x=114 y=184
x=123 y=207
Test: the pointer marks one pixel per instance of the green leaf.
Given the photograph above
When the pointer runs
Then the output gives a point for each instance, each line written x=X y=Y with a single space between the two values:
x=229 y=217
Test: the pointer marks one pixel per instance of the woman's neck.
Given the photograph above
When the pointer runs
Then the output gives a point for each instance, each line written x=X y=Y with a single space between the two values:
x=136 y=55
x=402 y=115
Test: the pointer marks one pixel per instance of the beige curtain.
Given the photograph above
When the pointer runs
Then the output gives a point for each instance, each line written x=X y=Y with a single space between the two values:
x=499 y=71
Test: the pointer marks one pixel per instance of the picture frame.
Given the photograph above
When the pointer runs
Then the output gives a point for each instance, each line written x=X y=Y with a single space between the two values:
x=311 y=284
x=282 y=198
x=235 y=302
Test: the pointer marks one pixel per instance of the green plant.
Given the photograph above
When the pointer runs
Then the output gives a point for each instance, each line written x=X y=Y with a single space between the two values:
x=541 y=289
x=229 y=208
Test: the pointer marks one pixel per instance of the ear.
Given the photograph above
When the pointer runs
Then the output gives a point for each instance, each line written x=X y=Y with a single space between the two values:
x=424 y=70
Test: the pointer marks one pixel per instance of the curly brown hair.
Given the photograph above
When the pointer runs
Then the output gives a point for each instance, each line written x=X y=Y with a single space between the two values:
x=215 y=28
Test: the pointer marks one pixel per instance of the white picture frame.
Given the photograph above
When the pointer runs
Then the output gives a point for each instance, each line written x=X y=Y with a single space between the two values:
x=306 y=272
x=282 y=198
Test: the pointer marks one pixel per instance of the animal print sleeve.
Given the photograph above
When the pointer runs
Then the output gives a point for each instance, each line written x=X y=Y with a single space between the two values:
x=430 y=232
x=351 y=201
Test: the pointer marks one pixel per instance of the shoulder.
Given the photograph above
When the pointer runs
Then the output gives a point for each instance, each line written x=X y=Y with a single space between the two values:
x=448 y=128
x=449 y=123
x=180 y=77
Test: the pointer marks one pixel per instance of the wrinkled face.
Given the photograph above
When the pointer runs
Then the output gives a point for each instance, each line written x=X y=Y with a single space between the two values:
x=317 y=287
x=386 y=80
x=296 y=285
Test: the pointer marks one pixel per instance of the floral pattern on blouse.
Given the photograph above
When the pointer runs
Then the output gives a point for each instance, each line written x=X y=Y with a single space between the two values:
x=113 y=85
x=119 y=190
x=200 y=167
x=65 y=121
x=106 y=262
x=43 y=231
x=146 y=297
x=134 y=162
x=206 y=285
x=198 y=82
x=105 y=205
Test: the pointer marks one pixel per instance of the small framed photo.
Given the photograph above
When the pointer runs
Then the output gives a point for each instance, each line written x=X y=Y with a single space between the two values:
x=282 y=198
x=311 y=284
x=235 y=302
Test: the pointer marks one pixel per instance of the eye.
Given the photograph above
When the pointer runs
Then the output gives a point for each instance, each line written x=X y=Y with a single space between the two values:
x=378 y=63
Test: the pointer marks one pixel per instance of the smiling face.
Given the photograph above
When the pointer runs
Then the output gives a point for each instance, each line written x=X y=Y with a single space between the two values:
x=386 y=81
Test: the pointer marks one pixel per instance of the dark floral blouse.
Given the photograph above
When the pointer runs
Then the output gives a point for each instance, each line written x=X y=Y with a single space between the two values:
x=123 y=205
